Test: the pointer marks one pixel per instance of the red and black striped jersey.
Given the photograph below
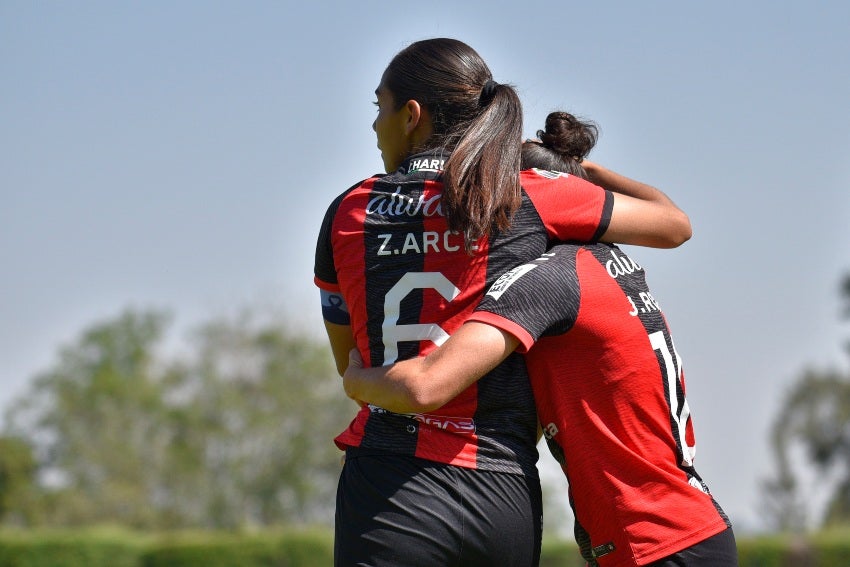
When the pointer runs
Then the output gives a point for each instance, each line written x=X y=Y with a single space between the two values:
x=610 y=396
x=409 y=282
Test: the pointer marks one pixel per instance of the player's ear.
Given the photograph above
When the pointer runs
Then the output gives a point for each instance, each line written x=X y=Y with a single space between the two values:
x=414 y=115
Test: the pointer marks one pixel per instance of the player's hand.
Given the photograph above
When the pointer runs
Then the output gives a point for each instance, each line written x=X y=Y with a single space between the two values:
x=355 y=362
x=354 y=359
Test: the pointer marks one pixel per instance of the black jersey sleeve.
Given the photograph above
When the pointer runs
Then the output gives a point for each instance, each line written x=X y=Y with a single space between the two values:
x=324 y=268
x=541 y=297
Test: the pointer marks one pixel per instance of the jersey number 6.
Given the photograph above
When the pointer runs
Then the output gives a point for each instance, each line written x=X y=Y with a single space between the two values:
x=392 y=332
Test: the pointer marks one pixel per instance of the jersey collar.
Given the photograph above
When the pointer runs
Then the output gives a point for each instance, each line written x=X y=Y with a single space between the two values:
x=432 y=160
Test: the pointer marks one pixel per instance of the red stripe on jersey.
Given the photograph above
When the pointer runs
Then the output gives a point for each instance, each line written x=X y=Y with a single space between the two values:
x=348 y=254
x=585 y=199
x=348 y=259
x=354 y=432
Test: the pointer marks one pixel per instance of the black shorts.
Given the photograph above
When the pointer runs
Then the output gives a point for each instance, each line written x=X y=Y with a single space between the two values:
x=397 y=510
x=717 y=551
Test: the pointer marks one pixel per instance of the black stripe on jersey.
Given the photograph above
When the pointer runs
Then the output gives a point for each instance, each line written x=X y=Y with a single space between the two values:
x=513 y=427
x=384 y=268
x=392 y=432
x=606 y=216
x=523 y=242
x=585 y=547
x=631 y=279
x=516 y=422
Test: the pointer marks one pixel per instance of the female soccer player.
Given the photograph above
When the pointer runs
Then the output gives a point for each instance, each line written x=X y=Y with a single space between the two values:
x=608 y=386
x=402 y=259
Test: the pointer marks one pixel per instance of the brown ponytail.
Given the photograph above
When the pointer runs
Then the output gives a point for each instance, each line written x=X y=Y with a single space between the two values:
x=477 y=120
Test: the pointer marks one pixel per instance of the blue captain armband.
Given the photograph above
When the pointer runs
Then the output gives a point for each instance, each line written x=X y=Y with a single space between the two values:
x=334 y=308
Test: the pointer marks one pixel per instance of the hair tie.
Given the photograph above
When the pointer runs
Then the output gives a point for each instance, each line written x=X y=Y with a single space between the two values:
x=488 y=91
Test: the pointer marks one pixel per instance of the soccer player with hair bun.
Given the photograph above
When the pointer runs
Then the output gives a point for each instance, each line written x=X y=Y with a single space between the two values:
x=607 y=380
x=402 y=259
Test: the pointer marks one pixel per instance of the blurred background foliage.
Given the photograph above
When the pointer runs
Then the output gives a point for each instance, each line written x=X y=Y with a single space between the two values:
x=235 y=429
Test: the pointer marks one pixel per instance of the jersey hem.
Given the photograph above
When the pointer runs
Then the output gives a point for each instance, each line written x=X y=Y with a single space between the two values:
x=327 y=286
x=680 y=544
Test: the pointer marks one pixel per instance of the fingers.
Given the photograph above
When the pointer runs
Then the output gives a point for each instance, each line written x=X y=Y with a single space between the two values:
x=354 y=358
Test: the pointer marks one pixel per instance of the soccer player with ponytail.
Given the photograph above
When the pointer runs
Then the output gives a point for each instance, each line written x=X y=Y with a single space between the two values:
x=402 y=259
x=607 y=380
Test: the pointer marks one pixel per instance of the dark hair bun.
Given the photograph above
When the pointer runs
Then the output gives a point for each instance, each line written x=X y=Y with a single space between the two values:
x=568 y=135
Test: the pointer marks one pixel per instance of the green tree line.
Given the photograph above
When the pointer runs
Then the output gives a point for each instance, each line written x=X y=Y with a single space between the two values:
x=236 y=431
x=812 y=424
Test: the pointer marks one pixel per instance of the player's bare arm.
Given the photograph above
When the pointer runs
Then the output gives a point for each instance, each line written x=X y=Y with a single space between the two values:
x=643 y=215
x=423 y=384
x=341 y=338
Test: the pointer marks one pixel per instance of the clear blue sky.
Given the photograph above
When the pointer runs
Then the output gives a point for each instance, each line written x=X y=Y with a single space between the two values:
x=180 y=155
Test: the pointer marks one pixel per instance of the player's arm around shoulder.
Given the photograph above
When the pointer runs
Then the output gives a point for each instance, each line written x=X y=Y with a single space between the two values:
x=642 y=215
x=423 y=384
